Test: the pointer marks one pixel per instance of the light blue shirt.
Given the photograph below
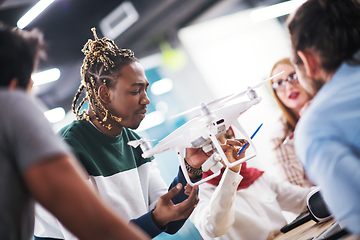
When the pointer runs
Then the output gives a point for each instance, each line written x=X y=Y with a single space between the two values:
x=327 y=141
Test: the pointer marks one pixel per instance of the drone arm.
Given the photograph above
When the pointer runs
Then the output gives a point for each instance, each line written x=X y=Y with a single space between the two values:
x=219 y=149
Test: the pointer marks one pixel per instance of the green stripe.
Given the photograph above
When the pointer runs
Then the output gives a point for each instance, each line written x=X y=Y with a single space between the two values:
x=100 y=154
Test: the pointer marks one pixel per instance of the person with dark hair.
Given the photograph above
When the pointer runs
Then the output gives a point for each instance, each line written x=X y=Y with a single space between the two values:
x=35 y=164
x=116 y=92
x=291 y=98
x=325 y=39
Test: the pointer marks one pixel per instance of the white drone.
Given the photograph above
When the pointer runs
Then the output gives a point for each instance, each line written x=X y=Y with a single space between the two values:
x=203 y=132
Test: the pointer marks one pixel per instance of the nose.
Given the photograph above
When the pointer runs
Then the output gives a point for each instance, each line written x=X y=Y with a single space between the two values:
x=288 y=85
x=145 y=100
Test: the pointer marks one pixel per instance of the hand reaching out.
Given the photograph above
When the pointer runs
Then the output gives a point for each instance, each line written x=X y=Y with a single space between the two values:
x=166 y=211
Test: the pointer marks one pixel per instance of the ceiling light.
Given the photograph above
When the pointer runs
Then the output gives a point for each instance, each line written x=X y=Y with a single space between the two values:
x=151 y=120
x=55 y=115
x=33 y=13
x=120 y=19
x=45 y=76
x=276 y=10
x=162 y=86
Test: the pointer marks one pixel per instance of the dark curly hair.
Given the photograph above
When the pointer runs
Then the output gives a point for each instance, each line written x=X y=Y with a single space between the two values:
x=330 y=27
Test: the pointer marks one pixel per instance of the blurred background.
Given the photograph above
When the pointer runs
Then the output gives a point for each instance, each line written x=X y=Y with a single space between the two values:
x=193 y=51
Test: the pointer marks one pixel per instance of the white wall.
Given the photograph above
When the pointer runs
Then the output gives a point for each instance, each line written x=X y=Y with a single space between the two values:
x=232 y=53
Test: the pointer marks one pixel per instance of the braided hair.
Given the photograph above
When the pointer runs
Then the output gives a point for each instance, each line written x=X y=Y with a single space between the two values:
x=102 y=65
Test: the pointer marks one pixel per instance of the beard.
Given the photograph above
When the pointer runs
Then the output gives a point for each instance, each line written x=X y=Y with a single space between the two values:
x=311 y=85
x=317 y=84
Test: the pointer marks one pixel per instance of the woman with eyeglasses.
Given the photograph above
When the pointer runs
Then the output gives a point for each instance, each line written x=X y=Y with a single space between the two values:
x=291 y=97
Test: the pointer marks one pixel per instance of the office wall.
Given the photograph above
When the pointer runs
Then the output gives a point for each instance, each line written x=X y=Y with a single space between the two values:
x=234 y=52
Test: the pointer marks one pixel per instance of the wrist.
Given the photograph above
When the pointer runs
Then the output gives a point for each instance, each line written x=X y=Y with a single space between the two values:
x=192 y=170
x=236 y=168
x=160 y=224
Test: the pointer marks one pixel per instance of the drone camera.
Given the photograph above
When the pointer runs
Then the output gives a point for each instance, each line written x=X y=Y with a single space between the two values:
x=220 y=121
x=198 y=142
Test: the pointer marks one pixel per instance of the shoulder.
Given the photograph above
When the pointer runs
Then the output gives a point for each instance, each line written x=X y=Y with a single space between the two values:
x=74 y=128
x=13 y=102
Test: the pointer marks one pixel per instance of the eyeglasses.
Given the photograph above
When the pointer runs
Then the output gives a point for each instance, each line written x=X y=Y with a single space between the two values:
x=280 y=85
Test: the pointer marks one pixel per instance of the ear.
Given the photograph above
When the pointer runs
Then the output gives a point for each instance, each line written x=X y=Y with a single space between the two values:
x=30 y=86
x=103 y=92
x=311 y=62
x=13 y=84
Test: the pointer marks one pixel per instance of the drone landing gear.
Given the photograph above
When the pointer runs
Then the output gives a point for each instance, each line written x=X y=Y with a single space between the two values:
x=186 y=175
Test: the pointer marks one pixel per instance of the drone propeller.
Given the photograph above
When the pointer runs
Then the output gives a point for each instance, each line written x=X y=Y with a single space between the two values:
x=230 y=97
x=199 y=107
x=225 y=99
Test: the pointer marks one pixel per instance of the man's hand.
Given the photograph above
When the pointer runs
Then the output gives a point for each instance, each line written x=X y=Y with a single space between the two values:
x=166 y=211
x=195 y=157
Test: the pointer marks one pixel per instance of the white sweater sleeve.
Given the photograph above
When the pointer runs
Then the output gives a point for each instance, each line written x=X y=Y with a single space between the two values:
x=215 y=211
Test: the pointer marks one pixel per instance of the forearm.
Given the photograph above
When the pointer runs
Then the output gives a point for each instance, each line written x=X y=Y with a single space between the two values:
x=215 y=212
x=59 y=187
x=146 y=223
x=222 y=209
x=335 y=168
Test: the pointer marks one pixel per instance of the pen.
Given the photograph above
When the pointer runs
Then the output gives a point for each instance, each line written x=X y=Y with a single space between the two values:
x=242 y=149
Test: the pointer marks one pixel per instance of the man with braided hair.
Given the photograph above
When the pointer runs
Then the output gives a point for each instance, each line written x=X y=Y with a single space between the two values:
x=34 y=161
x=325 y=38
x=116 y=90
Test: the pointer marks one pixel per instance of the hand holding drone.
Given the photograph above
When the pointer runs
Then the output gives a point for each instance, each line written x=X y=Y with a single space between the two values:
x=203 y=132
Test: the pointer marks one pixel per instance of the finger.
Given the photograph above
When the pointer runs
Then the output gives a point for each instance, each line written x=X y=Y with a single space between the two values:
x=187 y=189
x=172 y=192
x=241 y=140
x=232 y=142
x=237 y=142
x=189 y=204
x=191 y=201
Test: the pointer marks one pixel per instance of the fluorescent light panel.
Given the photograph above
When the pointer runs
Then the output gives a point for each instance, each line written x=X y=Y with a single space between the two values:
x=276 y=10
x=55 y=115
x=33 y=13
x=46 y=76
x=162 y=86
x=119 y=20
x=151 y=120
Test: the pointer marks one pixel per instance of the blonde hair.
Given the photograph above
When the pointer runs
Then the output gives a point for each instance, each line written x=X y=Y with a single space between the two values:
x=291 y=118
